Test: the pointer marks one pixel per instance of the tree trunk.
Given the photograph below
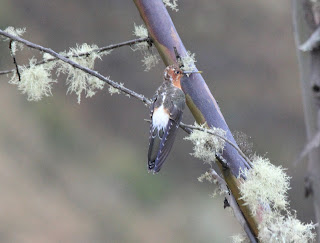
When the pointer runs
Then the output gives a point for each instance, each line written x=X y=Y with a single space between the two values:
x=305 y=23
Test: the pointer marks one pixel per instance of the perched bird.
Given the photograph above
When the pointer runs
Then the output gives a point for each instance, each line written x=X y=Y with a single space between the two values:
x=166 y=114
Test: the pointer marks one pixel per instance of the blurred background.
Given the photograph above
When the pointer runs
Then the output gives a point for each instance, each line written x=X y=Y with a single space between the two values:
x=77 y=173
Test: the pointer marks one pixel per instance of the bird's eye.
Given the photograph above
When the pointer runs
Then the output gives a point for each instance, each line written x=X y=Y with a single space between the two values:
x=176 y=72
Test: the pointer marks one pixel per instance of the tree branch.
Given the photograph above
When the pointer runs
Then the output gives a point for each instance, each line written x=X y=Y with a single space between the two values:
x=76 y=65
x=221 y=182
x=199 y=98
x=98 y=50
x=233 y=204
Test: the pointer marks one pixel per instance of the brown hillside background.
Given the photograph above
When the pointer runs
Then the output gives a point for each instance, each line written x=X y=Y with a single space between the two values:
x=77 y=173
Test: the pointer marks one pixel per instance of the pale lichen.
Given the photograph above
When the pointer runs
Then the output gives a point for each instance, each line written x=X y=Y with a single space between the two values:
x=208 y=177
x=205 y=177
x=150 y=60
x=78 y=80
x=150 y=57
x=187 y=62
x=265 y=183
x=171 y=4
x=15 y=32
x=36 y=80
x=205 y=144
x=140 y=31
x=279 y=228
x=113 y=90
x=265 y=190
x=47 y=56
x=240 y=238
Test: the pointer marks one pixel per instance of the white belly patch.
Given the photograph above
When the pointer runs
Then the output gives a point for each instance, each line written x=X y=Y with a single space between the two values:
x=160 y=118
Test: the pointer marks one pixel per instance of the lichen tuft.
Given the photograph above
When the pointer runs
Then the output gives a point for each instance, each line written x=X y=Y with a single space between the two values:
x=187 y=62
x=113 y=90
x=279 y=228
x=171 y=4
x=240 y=238
x=265 y=183
x=16 y=32
x=150 y=60
x=265 y=189
x=36 y=80
x=77 y=80
x=205 y=144
x=150 y=57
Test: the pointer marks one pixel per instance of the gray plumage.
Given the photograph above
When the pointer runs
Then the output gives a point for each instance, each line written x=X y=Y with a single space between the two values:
x=172 y=99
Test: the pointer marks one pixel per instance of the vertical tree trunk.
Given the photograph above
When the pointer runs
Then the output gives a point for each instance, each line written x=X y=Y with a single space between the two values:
x=305 y=23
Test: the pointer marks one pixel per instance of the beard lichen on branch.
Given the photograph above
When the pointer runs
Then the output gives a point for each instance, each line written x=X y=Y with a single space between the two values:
x=36 y=81
x=265 y=192
x=77 y=80
x=51 y=59
x=150 y=56
x=171 y=4
x=206 y=145
x=16 y=32
x=187 y=62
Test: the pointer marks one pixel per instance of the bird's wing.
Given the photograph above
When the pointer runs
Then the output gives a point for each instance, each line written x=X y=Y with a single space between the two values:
x=167 y=140
x=154 y=141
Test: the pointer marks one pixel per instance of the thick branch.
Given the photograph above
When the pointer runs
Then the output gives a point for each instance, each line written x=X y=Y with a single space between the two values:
x=76 y=65
x=199 y=98
x=98 y=50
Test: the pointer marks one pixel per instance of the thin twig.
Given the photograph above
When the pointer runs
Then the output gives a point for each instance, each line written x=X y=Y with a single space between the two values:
x=233 y=204
x=125 y=43
x=98 y=50
x=76 y=65
x=14 y=59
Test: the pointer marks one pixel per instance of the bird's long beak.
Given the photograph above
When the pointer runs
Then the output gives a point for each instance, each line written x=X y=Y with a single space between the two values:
x=189 y=72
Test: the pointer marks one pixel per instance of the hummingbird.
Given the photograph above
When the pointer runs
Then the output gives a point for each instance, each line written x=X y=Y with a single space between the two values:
x=166 y=113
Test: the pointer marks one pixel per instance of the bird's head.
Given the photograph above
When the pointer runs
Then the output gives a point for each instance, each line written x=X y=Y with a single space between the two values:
x=174 y=74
